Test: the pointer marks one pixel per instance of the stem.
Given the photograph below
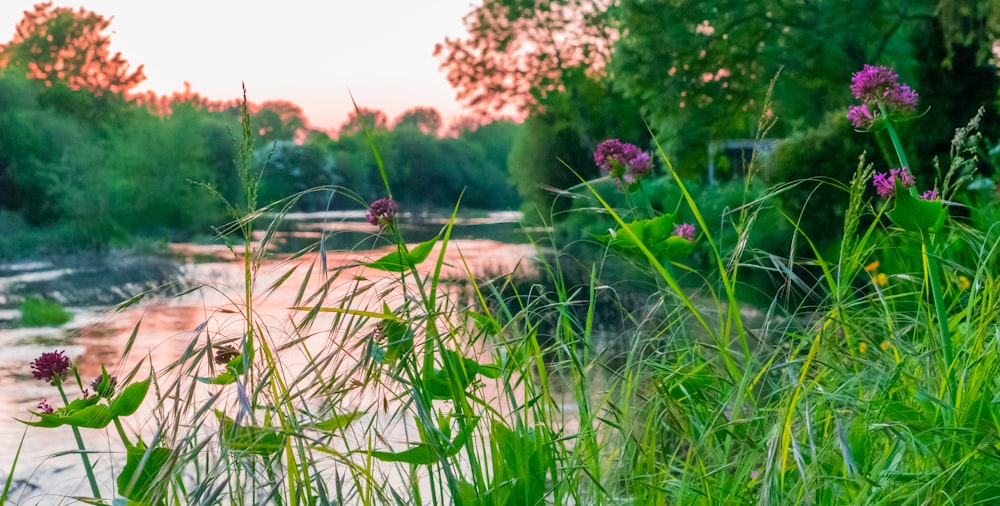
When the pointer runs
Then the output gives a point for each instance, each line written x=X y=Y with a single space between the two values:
x=91 y=478
x=942 y=312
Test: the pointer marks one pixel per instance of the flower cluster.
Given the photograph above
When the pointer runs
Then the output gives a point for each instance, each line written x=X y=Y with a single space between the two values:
x=44 y=407
x=885 y=184
x=622 y=161
x=225 y=353
x=880 y=91
x=684 y=231
x=50 y=366
x=382 y=212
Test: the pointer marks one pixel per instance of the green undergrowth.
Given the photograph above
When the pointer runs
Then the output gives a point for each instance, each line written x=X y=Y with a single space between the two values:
x=385 y=381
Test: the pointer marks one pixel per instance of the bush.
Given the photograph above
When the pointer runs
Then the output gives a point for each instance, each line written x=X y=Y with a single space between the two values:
x=36 y=312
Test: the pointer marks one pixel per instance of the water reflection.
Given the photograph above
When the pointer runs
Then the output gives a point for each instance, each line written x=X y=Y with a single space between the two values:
x=160 y=330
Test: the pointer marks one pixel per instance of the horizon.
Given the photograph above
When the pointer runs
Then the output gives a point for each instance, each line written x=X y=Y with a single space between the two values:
x=392 y=74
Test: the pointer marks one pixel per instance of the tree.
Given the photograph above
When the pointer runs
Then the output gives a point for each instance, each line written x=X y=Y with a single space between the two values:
x=277 y=120
x=363 y=118
x=425 y=119
x=57 y=44
x=518 y=50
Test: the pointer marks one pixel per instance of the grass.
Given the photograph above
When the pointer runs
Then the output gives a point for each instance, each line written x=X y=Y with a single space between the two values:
x=36 y=312
x=384 y=382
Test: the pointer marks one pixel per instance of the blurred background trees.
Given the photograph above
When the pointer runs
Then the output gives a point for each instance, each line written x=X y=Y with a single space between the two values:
x=696 y=72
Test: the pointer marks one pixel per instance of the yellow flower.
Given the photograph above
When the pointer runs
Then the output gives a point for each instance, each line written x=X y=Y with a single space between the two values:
x=885 y=345
x=963 y=283
x=862 y=347
x=881 y=280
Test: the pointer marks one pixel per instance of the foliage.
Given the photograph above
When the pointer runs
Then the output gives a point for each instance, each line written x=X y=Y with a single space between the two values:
x=60 y=45
x=36 y=312
x=518 y=52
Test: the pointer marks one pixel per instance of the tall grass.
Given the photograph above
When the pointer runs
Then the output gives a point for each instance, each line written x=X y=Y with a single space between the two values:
x=381 y=381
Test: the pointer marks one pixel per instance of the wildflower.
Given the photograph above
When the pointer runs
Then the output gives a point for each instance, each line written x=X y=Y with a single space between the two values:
x=872 y=267
x=885 y=184
x=50 y=366
x=684 y=231
x=930 y=195
x=860 y=117
x=107 y=390
x=964 y=283
x=879 y=88
x=622 y=160
x=873 y=84
x=44 y=407
x=863 y=347
x=881 y=280
x=382 y=212
x=225 y=353
x=885 y=345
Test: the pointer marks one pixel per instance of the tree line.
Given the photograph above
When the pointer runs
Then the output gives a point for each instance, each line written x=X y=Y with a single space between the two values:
x=94 y=163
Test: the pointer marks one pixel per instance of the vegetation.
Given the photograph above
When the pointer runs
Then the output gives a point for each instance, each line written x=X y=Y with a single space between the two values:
x=86 y=162
x=36 y=312
x=821 y=329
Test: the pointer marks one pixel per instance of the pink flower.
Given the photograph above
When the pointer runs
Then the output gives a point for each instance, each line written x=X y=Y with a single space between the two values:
x=875 y=86
x=43 y=407
x=930 y=195
x=885 y=184
x=684 y=231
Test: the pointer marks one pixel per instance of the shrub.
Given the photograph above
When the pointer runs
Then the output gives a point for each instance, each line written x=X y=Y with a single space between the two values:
x=36 y=312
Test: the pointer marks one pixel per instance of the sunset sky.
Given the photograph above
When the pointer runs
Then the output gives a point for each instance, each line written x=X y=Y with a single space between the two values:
x=307 y=52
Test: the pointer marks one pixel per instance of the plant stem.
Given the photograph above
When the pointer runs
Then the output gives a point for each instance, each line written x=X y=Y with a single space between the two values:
x=942 y=312
x=91 y=478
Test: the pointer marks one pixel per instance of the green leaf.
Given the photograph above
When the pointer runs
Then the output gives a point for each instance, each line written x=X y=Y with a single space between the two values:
x=398 y=262
x=916 y=214
x=224 y=378
x=424 y=453
x=129 y=400
x=339 y=421
x=140 y=477
x=256 y=440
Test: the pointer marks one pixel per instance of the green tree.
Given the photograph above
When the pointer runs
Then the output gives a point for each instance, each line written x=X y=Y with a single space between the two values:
x=425 y=119
x=60 y=45
x=277 y=120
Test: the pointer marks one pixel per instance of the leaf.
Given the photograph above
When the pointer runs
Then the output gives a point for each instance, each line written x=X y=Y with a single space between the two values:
x=256 y=440
x=224 y=378
x=339 y=421
x=141 y=475
x=424 y=453
x=397 y=262
x=916 y=214
x=129 y=400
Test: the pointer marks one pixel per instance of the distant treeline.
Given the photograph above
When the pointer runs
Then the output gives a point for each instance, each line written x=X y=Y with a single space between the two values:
x=101 y=168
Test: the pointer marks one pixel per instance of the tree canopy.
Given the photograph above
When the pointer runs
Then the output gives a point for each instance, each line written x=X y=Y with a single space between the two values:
x=60 y=45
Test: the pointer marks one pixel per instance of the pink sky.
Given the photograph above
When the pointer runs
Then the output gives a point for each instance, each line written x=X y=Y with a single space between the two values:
x=307 y=52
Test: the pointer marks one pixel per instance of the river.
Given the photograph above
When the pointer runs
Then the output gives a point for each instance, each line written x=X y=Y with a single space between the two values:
x=165 y=321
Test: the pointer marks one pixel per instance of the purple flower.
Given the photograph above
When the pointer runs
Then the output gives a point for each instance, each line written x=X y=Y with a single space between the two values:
x=225 y=353
x=930 y=195
x=885 y=184
x=875 y=85
x=684 y=231
x=622 y=160
x=108 y=390
x=873 y=82
x=382 y=212
x=43 y=407
x=860 y=117
x=50 y=366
